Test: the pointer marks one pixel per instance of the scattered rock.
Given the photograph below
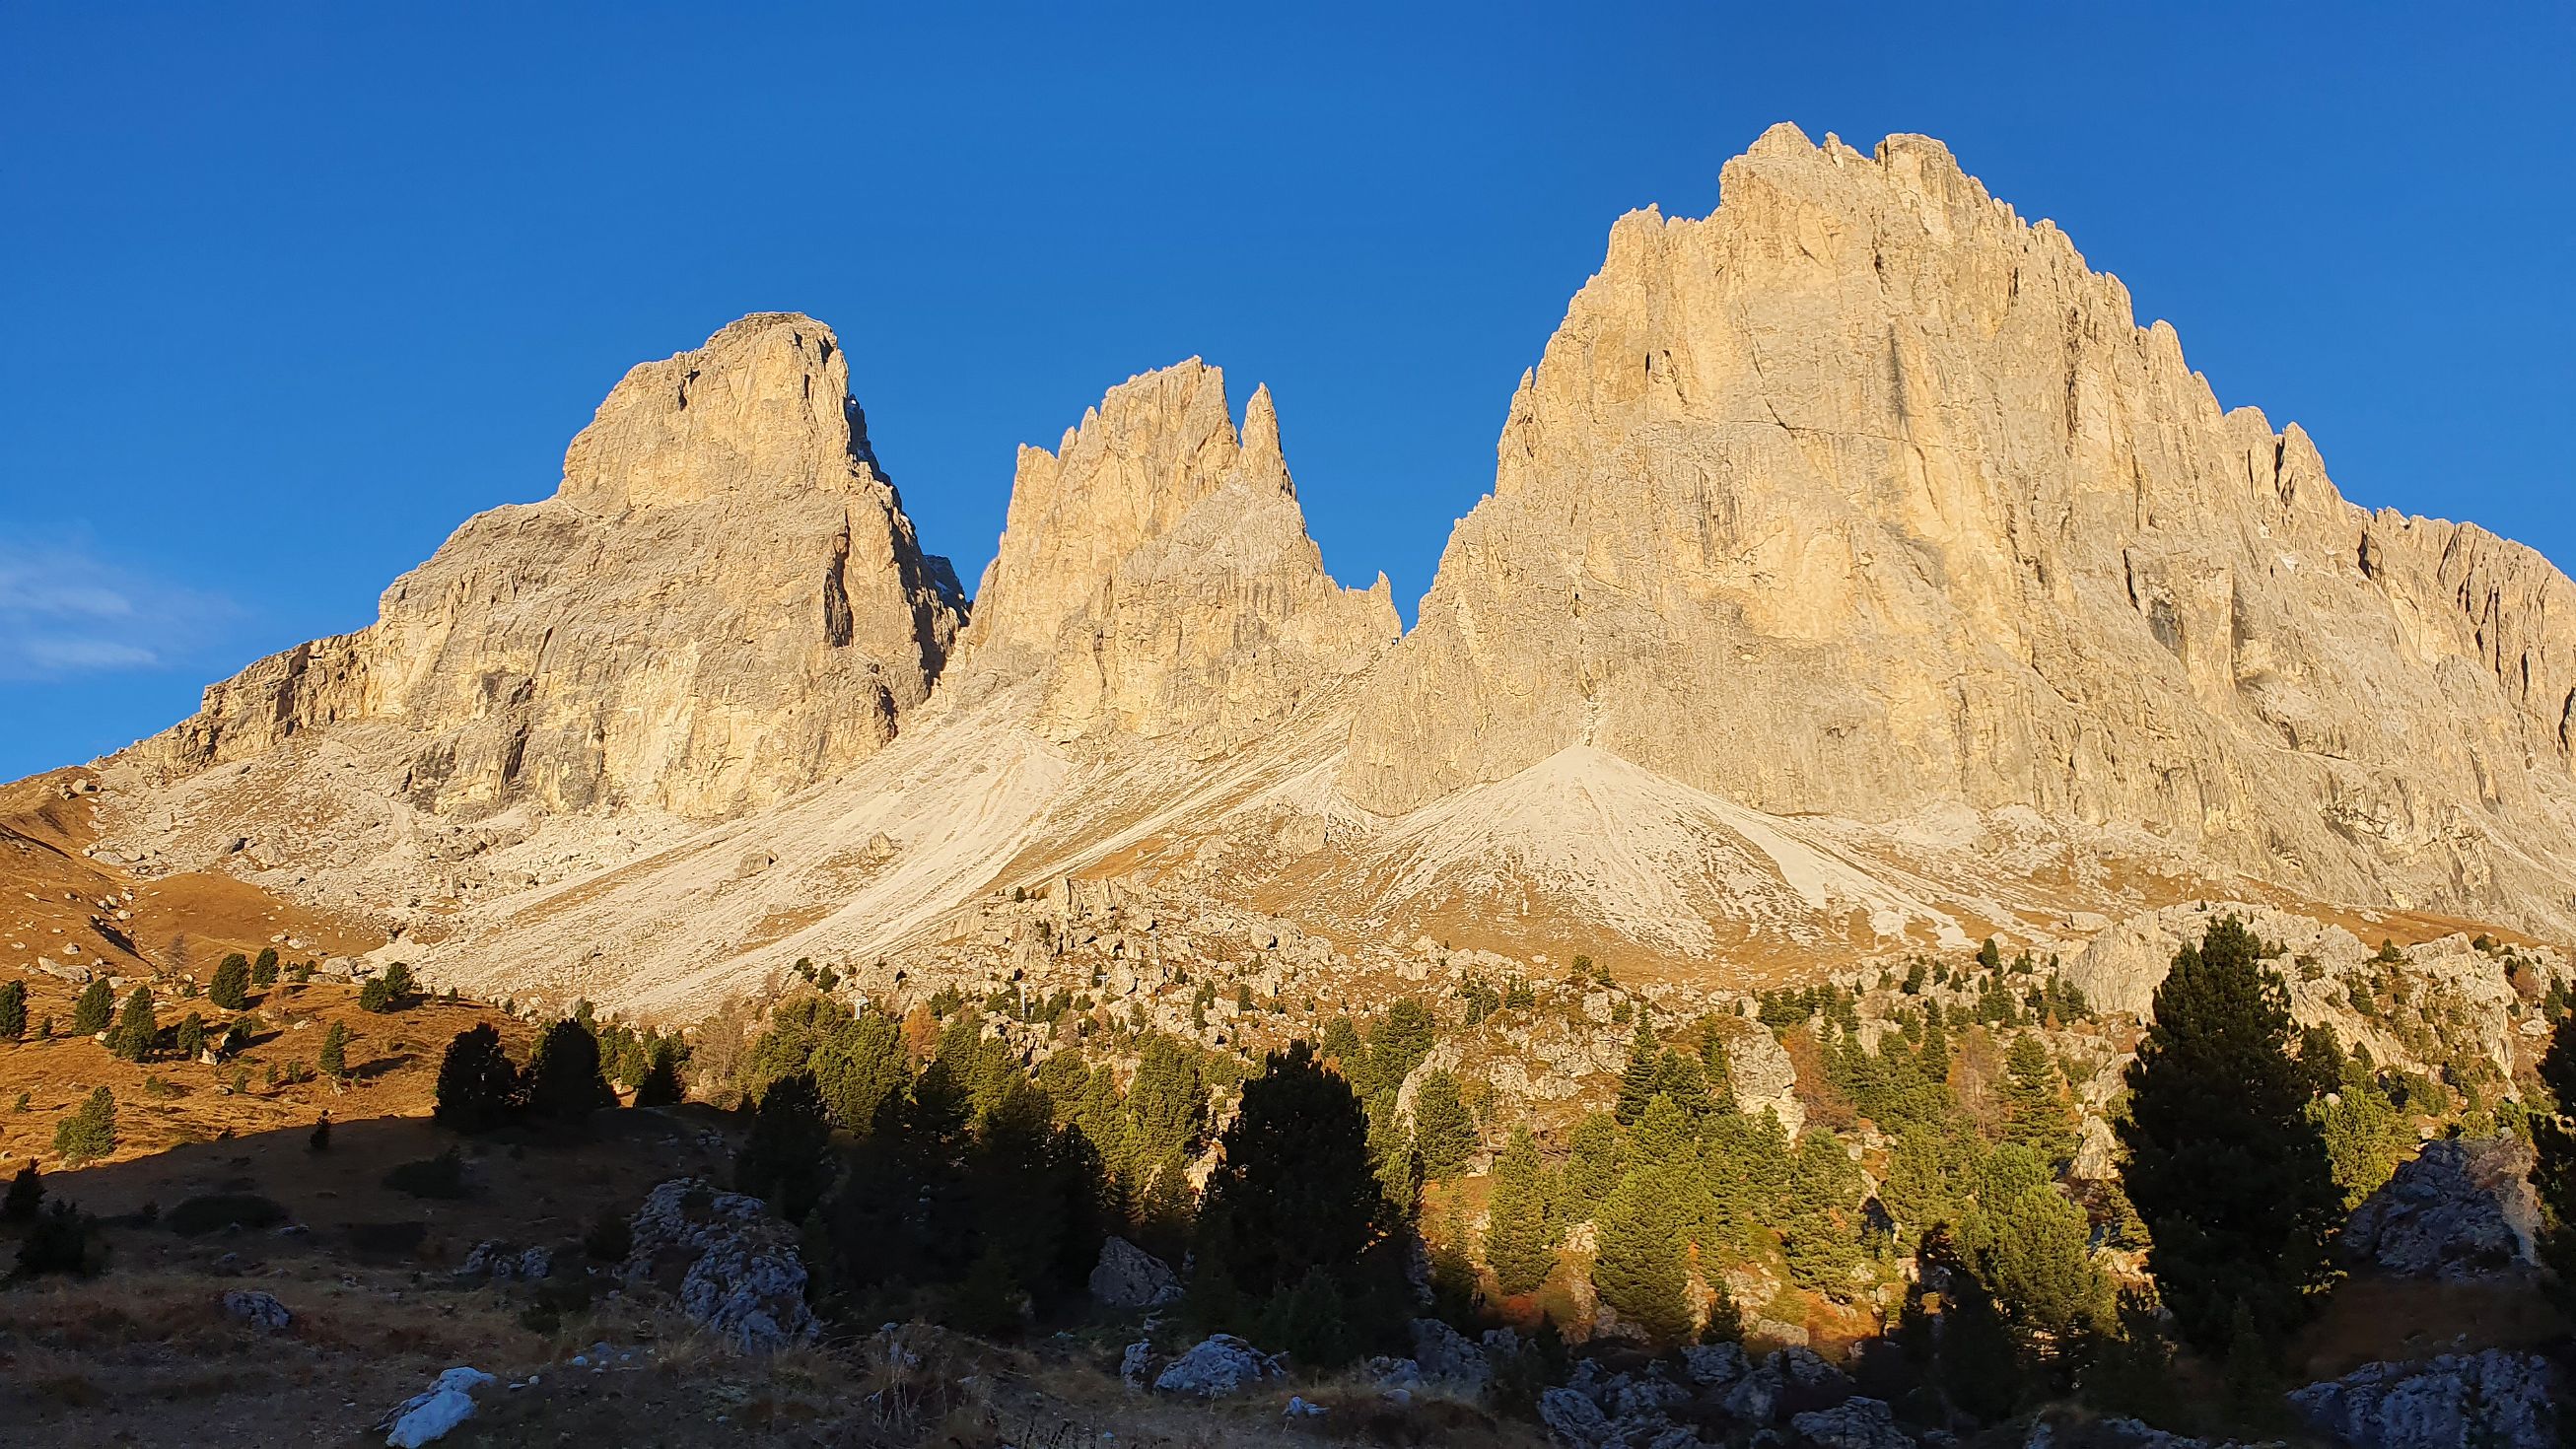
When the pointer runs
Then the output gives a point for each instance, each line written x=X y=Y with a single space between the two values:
x=1129 y=1277
x=501 y=1262
x=259 y=1310
x=1220 y=1365
x=429 y=1415
x=1137 y=1366
x=2495 y=1400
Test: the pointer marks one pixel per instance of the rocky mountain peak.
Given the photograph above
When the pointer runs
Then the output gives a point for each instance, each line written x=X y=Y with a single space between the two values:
x=723 y=604
x=1156 y=572
x=1864 y=497
x=765 y=403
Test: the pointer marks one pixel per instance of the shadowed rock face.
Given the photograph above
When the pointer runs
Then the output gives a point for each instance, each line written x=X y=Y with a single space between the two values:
x=1863 y=496
x=1156 y=573
x=723 y=604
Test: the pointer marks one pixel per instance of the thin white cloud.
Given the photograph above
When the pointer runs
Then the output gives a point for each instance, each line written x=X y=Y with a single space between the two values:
x=63 y=610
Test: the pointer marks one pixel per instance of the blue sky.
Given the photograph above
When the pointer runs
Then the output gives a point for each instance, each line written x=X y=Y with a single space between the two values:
x=289 y=291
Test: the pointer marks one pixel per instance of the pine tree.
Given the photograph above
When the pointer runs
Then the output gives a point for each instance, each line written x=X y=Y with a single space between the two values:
x=263 y=971
x=191 y=1038
x=1637 y=1083
x=1340 y=1048
x=478 y=1088
x=2553 y=1166
x=661 y=1085
x=1664 y=1134
x=1521 y=1234
x=2226 y=1169
x=1392 y=1155
x=1639 y=1269
x=1167 y=1103
x=1398 y=1041
x=1717 y=1069
x=1294 y=1192
x=2036 y=1115
x=1591 y=1165
x=13 y=1010
x=1820 y=1236
x=563 y=1080
x=335 y=1052
x=95 y=1008
x=859 y=1067
x=2038 y=1261
x=1933 y=1057
x=90 y=1132
x=138 y=1030
x=786 y=1160
x=26 y=1190
x=231 y=988
x=1442 y=1131
x=2364 y=1134
x=1680 y=1078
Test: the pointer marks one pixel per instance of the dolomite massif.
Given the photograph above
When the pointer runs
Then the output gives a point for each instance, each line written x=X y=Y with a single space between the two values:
x=1858 y=578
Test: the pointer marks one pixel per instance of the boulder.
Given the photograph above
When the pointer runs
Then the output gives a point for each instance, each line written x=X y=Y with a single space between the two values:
x=431 y=1413
x=1137 y=1365
x=744 y=1279
x=1715 y=1365
x=2497 y=1399
x=259 y=1310
x=1129 y=1277
x=2462 y=1209
x=1855 y=1423
x=1219 y=1365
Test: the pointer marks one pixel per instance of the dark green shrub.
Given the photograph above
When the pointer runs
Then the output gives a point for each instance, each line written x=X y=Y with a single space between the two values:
x=63 y=1240
x=442 y=1176
x=216 y=1211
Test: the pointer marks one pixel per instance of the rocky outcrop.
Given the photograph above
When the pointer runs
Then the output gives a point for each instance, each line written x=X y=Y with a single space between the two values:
x=2462 y=1208
x=738 y=1272
x=1864 y=497
x=723 y=604
x=2500 y=1398
x=1129 y=1277
x=1217 y=1366
x=1155 y=572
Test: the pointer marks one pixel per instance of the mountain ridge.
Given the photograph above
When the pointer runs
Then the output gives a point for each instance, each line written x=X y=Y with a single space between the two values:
x=1855 y=566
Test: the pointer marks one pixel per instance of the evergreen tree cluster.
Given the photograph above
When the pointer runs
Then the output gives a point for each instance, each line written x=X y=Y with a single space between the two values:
x=480 y=1089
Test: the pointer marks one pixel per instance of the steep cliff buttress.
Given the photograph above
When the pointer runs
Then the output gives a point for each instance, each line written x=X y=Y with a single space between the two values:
x=723 y=604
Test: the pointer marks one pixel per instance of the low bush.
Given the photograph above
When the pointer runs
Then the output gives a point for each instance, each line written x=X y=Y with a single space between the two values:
x=215 y=1211
x=442 y=1176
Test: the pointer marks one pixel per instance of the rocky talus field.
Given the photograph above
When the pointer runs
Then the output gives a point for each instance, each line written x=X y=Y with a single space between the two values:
x=1877 y=659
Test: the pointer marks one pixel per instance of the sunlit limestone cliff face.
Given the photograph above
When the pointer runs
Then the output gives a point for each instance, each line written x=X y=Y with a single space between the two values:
x=1863 y=496
x=723 y=604
x=1156 y=574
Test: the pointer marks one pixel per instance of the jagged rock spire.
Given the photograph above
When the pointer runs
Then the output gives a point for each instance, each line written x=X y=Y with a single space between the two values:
x=1156 y=572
